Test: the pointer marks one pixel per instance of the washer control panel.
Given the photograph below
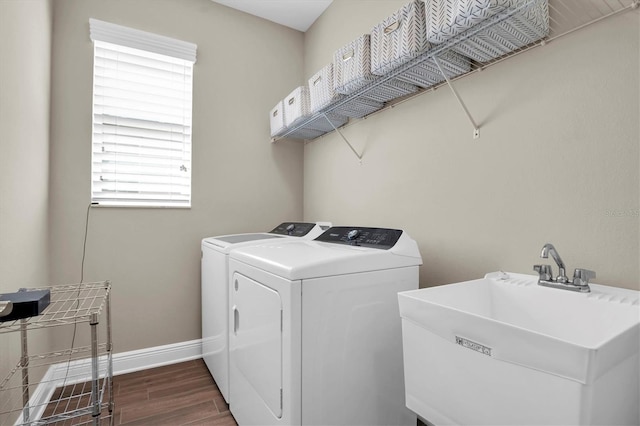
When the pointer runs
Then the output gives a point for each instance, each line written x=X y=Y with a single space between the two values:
x=294 y=229
x=380 y=238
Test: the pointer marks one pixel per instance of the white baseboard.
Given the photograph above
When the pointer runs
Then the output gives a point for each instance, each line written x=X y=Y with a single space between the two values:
x=143 y=359
x=124 y=362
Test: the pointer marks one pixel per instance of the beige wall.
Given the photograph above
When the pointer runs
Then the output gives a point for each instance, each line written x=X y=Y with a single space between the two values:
x=25 y=52
x=25 y=46
x=241 y=182
x=557 y=160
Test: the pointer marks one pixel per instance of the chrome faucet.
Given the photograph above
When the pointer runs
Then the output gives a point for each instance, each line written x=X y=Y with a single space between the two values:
x=549 y=249
x=581 y=277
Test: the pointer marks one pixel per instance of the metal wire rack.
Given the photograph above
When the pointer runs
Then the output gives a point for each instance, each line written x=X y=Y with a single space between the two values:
x=565 y=17
x=70 y=304
x=75 y=384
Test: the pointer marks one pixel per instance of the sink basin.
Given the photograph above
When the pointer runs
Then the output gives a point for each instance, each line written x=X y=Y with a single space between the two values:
x=504 y=350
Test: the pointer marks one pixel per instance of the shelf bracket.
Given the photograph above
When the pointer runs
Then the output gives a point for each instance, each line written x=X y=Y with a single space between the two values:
x=476 y=129
x=343 y=138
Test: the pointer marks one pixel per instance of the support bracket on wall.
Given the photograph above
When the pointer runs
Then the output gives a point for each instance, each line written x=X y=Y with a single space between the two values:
x=344 y=139
x=476 y=129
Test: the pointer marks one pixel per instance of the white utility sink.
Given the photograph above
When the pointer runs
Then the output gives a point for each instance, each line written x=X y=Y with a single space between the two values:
x=504 y=350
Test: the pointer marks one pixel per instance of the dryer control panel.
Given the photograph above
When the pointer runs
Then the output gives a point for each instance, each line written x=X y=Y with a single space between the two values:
x=294 y=229
x=380 y=238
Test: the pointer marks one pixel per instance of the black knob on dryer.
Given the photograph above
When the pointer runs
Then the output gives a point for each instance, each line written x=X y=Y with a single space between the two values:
x=353 y=234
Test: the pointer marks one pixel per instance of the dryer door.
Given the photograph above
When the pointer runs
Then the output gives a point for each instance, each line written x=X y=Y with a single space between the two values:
x=257 y=341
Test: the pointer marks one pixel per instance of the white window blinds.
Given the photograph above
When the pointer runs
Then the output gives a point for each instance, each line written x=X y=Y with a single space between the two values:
x=142 y=102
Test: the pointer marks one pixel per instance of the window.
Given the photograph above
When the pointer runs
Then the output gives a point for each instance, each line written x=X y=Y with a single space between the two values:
x=142 y=99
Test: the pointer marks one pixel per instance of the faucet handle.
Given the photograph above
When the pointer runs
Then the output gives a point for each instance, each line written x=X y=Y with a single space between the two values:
x=544 y=271
x=581 y=277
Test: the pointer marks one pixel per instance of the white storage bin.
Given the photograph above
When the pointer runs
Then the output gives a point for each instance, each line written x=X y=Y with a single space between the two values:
x=352 y=71
x=521 y=29
x=296 y=106
x=399 y=38
x=449 y=18
x=440 y=15
x=276 y=119
x=352 y=66
x=321 y=89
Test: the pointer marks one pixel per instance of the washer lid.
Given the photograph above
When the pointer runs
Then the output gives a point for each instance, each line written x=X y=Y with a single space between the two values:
x=302 y=259
x=226 y=243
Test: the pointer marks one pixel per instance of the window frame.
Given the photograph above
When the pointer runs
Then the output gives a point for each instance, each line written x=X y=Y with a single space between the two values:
x=160 y=132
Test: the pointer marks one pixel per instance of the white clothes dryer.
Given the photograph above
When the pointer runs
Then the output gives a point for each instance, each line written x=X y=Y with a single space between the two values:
x=215 y=290
x=315 y=333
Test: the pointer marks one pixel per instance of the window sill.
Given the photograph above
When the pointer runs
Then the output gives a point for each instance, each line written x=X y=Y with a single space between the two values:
x=137 y=206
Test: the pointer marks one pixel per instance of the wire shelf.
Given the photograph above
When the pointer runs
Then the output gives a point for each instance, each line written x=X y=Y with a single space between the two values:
x=565 y=17
x=46 y=360
x=71 y=400
x=74 y=385
x=70 y=304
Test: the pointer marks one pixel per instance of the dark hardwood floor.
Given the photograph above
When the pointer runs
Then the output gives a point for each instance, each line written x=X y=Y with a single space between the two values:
x=177 y=394
x=173 y=395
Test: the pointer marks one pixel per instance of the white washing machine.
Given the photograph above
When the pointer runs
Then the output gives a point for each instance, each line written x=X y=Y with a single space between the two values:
x=215 y=290
x=315 y=333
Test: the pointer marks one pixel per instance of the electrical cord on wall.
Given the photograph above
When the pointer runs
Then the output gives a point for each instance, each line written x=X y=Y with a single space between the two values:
x=75 y=324
x=84 y=252
x=84 y=243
